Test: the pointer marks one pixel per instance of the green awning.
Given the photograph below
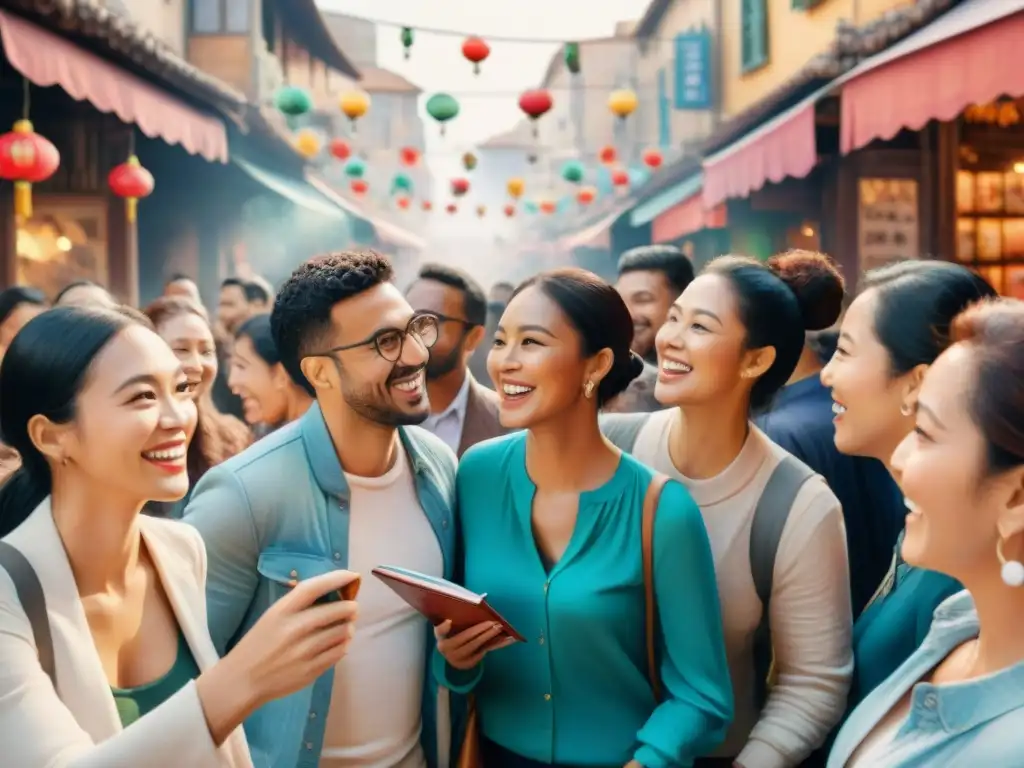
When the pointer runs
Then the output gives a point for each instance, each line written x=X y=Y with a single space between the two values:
x=653 y=207
x=298 y=191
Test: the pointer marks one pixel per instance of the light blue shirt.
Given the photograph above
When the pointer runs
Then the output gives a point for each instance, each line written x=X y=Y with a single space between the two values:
x=280 y=511
x=577 y=692
x=979 y=722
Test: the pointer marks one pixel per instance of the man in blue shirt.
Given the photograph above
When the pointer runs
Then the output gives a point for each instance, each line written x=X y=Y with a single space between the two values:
x=800 y=420
x=352 y=484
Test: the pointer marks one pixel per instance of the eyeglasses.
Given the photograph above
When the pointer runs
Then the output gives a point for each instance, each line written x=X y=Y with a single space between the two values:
x=389 y=342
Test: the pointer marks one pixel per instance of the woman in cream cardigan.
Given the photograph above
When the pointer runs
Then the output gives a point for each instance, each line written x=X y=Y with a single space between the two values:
x=111 y=664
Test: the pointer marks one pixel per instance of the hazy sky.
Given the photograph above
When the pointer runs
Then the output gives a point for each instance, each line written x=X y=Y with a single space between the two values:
x=488 y=100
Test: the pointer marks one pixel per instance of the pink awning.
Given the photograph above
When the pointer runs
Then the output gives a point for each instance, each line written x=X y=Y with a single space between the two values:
x=935 y=73
x=685 y=218
x=782 y=147
x=47 y=59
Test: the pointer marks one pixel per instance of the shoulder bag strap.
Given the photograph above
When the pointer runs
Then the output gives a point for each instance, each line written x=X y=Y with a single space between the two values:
x=766 y=529
x=33 y=602
x=650 y=602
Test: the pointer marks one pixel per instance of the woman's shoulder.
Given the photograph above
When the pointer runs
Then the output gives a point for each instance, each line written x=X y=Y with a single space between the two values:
x=490 y=456
x=181 y=540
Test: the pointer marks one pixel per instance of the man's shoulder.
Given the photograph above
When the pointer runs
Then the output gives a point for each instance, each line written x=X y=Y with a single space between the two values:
x=426 y=446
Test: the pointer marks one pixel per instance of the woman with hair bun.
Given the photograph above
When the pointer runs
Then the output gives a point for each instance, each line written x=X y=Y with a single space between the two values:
x=731 y=341
x=959 y=699
x=551 y=531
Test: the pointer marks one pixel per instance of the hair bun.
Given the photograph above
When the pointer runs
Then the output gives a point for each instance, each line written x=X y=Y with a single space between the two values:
x=817 y=284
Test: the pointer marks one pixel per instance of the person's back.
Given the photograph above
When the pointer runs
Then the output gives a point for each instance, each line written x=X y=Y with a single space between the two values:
x=800 y=421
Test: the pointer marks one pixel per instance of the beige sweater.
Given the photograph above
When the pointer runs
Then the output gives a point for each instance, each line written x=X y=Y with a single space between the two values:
x=811 y=615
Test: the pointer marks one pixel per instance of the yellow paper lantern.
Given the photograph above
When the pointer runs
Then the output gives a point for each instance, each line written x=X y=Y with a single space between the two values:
x=354 y=104
x=515 y=187
x=307 y=143
x=622 y=103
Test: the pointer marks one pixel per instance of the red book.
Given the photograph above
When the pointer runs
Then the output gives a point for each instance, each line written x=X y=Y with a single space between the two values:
x=439 y=600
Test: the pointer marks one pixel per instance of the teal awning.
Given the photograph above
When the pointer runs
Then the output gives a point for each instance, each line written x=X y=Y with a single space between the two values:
x=298 y=191
x=653 y=207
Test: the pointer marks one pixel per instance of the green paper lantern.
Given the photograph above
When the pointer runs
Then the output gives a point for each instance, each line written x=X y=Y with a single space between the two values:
x=530 y=206
x=408 y=38
x=572 y=172
x=572 y=58
x=293 y=102
x=355 y=168
x=401 y=183
x=442 y=107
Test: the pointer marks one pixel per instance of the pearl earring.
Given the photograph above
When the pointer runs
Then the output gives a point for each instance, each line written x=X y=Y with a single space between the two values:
x=906 y=410
x=588 y=390
x=1012 y=570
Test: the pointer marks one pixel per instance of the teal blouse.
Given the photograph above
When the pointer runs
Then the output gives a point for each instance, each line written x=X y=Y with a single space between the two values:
x=577 y=691
x=895 y=623
x=133 y=703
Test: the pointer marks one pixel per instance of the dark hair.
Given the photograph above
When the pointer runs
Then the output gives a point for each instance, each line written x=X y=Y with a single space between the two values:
x=79 y=284
x=994 y=331
x=257 y=330
x=258 y=289
x=667 y=259
x=218 y=436
x=227 y=282
x=917 y=302
x=13 y=297
x=779 y=301
x=474 y=301
x=42 y=374
x=301 y=319
x=599 y=315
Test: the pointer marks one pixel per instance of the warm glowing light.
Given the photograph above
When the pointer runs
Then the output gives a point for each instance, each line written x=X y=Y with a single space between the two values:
x=1018 y=168
x=807 y=231
x=63 y=243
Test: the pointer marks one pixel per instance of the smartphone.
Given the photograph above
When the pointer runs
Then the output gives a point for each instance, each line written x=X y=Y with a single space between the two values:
x=348 y=592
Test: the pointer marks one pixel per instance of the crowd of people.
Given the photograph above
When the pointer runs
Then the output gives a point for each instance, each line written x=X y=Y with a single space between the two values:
x=740 y=517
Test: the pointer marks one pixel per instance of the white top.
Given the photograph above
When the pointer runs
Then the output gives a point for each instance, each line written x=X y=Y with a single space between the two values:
x=447 y=424
x=375 y=714
x=811 y=615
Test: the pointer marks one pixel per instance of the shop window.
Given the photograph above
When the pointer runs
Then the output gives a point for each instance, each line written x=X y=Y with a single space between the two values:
x=218 y=17
x=754 y=31
x=889 y=224
x=65 y=240
x=990 y=225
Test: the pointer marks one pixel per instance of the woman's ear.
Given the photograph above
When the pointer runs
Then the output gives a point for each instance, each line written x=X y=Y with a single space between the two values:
x=599 y=366
x=912 y=387
x=755 y=363
x=51 y=440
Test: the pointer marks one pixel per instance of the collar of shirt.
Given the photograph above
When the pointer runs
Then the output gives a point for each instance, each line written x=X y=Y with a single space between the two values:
x=454 y=416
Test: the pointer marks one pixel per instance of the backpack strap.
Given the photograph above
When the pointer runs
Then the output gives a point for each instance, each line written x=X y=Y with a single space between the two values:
x=622 y=429
x=766 y=529
x=33 y=602
x=650 y=510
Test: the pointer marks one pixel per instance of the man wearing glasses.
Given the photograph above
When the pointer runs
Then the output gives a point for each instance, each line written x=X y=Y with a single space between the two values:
x=462 y=412
x=352 y=484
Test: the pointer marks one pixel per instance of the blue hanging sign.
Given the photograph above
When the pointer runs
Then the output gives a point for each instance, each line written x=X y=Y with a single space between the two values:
x=693 y=70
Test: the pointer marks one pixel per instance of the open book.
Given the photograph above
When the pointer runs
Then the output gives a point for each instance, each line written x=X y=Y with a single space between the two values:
x=439 y=599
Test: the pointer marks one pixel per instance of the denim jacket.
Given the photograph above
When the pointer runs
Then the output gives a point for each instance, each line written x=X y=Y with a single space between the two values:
x=974 y=723
x=279 y=511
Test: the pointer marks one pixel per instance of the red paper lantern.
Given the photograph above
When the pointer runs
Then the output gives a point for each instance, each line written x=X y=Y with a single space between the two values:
x=586 y=196
x=359 y=186
x=608 y=155
x=26 y=158
x=548 y=206
x=451 y=208
x=460 y=187
x=409 y=156
x=620 y=178
x=476 y=51
x=403 y=203
x=535 y=104
x=652 y=159
x=131 y=181
x=510 y=210
x=427 y=205
x=340 y=149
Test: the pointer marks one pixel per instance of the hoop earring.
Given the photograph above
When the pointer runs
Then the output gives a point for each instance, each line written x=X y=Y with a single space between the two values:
x=906 y=410
x=1012 y=571
x=588 y=390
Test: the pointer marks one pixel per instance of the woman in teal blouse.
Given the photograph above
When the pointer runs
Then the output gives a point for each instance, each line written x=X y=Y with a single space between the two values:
x=551 y=531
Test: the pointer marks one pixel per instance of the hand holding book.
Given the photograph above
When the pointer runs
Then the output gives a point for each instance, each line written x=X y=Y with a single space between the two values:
x=467 y=648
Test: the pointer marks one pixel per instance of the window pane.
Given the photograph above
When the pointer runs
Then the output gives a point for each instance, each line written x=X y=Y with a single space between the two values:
x=237 y=12
x=206 y=16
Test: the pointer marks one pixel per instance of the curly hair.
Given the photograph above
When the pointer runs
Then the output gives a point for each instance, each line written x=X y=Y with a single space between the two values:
x=301 y=319
x=218 y=436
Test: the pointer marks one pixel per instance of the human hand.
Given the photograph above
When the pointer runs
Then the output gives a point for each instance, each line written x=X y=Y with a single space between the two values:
x=468 y=648
x=291 y=645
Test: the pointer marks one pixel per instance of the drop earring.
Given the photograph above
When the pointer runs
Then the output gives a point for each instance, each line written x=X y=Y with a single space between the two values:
x=906 y=410
x=588 y=390
x=1012 y=571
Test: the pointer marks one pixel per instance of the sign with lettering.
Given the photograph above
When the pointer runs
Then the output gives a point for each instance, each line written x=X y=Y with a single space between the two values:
x=693 y=70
